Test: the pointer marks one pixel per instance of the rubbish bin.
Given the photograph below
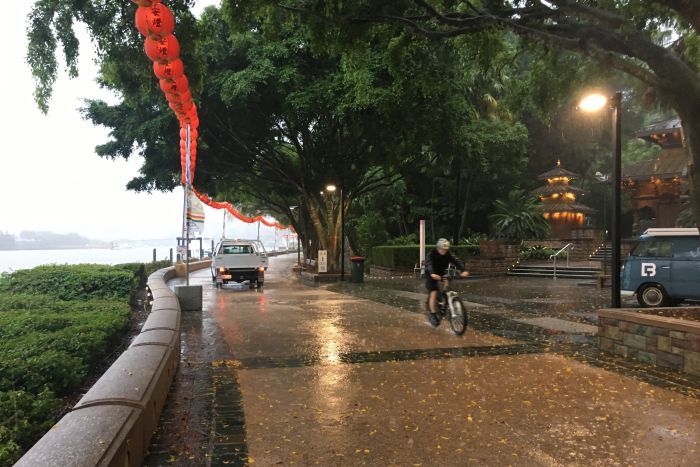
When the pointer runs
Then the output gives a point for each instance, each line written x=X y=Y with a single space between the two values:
x=358 y=268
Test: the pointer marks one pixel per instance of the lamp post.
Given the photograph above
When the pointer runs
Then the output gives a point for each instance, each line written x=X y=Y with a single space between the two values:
x=592 y=103
x=331 y=188
x=604 y=179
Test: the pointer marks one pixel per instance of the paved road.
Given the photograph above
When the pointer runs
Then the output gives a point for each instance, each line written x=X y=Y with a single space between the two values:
x=295 y=375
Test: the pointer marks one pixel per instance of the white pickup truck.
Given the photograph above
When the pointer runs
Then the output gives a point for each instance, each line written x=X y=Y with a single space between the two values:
x=239 y=261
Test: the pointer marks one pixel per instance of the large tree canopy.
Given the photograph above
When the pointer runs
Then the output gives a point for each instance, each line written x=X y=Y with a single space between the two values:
x=281 y=117
x=655 y=41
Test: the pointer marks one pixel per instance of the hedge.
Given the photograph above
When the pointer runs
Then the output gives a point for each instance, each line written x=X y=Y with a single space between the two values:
x=58 y=324
x=72 y=282
x=405 y=257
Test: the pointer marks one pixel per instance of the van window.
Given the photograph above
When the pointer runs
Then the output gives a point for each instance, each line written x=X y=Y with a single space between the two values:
x=235 y=249
x=686 y=248
x=653 y=249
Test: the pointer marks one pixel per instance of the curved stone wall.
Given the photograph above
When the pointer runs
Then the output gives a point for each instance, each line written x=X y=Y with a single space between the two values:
x=113 y=423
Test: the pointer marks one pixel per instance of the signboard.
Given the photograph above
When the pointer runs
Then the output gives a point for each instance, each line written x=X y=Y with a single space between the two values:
x=322 y=261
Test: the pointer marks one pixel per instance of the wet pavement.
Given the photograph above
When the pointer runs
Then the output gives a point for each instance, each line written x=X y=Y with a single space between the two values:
x=354 y=375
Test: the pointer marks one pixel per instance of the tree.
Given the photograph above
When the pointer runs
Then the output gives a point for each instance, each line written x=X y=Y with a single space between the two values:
x=633 y=36
x=280 y=119
x=518 y=218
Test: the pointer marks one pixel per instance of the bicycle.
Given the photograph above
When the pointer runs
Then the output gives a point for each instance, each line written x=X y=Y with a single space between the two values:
x=449 y=299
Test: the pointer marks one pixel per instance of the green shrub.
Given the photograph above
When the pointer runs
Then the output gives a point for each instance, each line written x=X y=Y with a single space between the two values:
x=57 y=326
x=150 y=268
x=31 y=302
x=137 y=269
x=409 y=239
x=473 y=238
x=24 y=418
x=72 y=282
x=371 y=231
x=404 y=257
x=540 y=252
x=56 y=350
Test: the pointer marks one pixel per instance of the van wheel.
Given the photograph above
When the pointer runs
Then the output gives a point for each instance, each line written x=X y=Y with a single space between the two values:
x=652 y=295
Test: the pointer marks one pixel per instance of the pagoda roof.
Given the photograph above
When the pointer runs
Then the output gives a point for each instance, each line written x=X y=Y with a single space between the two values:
x=669 y=164
x=666 y=133
x=551 y=189
x=567 y=207
x=557 y=171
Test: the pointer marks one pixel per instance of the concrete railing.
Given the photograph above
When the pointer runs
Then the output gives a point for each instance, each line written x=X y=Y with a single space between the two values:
x=113 y=423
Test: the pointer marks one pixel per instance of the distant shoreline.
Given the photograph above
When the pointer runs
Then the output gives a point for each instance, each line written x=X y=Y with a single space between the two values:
x=47 y=248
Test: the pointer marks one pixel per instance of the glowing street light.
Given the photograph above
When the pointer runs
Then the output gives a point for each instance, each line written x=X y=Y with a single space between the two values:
x=593 y=103
x=330 y=188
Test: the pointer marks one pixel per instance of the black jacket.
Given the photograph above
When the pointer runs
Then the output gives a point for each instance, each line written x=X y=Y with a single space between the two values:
x=436 y=263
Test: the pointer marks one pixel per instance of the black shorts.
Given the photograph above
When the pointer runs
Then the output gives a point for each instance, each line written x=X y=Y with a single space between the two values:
x=430 y=283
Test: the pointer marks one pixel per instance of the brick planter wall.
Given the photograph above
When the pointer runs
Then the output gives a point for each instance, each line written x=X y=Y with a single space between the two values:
x=666 y=342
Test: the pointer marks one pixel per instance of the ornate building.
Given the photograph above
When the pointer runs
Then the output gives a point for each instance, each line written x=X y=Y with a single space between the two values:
x=658 y=188
x=559 y=200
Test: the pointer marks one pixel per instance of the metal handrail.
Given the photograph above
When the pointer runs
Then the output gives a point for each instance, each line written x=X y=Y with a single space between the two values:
x=554 y=256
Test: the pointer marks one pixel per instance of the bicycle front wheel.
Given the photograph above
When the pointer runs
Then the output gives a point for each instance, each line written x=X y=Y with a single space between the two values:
x=458 y=317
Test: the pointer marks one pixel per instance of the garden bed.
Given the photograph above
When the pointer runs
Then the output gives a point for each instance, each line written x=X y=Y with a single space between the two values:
x=60 y=327
x=665 y=337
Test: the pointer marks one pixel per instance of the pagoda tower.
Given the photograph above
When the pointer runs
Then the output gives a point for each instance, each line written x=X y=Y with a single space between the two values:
x=559 y=201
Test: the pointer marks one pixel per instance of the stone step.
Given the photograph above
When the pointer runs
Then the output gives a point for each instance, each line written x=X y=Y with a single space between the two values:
x=549 y=270
x=561 y=275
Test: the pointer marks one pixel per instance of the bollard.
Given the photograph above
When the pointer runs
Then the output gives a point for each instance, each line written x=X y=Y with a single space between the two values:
x=171 y=256
x=154 y=255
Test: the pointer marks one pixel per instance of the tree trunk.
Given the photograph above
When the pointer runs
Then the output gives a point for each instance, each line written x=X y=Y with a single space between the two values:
x=463 y=220
x=455 y=216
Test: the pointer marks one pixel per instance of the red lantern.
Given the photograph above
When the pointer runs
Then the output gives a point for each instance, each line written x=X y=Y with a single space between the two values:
x=155 y=21
x=193 y=134
x=177 y=98
x=171 y=70
x=177 y=86
x=186 y=106
x=162 y=50
x=185 y=96
x=181 y=108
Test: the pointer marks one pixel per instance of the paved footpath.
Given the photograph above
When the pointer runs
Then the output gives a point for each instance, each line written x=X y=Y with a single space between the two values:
x=295 y=375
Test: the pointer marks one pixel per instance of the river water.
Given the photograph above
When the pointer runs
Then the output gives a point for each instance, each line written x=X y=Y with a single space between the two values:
x=24 y=259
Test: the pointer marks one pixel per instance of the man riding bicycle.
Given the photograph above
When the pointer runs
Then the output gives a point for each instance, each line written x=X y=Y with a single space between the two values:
x=435 y=267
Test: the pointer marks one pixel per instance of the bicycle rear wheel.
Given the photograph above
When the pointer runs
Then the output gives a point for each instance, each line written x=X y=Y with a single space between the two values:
x=458 y=316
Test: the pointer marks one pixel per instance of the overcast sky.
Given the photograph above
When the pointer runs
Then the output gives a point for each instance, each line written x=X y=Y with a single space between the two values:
x=51 y=177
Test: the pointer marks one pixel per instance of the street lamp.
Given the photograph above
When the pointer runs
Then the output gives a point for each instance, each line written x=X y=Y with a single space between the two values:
x=331 y=188
x=593 y=103
x=604 y=178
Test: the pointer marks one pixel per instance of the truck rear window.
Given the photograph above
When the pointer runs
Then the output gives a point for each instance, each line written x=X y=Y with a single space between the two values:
x=653 y=249
x=235 y=250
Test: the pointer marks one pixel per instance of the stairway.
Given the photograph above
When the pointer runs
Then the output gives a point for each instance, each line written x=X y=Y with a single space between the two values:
x=563 y=272
x=602 y=253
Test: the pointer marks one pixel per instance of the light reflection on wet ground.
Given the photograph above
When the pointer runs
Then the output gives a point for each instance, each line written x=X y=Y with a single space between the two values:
x=354 y=379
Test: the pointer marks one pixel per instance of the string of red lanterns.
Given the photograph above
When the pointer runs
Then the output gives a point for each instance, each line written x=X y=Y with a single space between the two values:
x=229 y=207
x=156 y=23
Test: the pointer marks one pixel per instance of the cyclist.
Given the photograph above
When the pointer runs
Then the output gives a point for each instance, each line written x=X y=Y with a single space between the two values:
x=435 y=267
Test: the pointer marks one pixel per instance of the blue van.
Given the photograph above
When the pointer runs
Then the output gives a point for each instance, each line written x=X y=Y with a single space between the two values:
x=663 y=269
